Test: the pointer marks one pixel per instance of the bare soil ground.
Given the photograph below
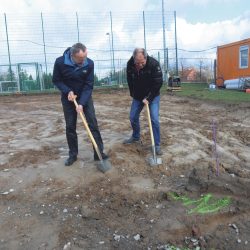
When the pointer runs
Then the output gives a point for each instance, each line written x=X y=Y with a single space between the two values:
x=44 y=205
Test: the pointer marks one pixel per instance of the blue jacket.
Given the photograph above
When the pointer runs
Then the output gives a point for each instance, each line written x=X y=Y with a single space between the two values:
x=68 y=76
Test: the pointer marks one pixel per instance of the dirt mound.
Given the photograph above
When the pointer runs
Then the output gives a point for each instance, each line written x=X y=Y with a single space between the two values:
x=182 y=203
x=31 y=157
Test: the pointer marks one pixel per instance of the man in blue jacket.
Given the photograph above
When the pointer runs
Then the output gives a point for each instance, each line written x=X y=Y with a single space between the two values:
x=74 y=75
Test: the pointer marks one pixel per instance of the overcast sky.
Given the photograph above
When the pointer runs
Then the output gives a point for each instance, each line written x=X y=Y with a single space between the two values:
x=201 y=24
x=226 y=18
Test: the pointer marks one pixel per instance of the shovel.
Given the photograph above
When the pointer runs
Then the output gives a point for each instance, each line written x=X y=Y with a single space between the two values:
x=153 y=161
x=102 y=165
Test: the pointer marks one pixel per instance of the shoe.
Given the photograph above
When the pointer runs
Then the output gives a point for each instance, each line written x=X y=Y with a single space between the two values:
x=104 y=157
x=158 y=150
x=131 y=140
x=70 y=161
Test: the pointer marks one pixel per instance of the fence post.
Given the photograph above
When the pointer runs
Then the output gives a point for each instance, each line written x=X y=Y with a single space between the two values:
x=201 y=62
x=167 y=61
x=144 y=29
x=77 y=26
x=214 y=69
x=110 y=51
x=44 y=47
x=164 y=40
x=8 y=45
x=112 y=41
x=176 y=49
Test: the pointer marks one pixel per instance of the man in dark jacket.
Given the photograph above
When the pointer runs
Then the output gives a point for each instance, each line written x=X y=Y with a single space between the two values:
x=74 y=75
x=144 y=78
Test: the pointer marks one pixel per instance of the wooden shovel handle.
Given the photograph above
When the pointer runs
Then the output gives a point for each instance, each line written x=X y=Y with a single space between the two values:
x=89 y=132
x=150 y=126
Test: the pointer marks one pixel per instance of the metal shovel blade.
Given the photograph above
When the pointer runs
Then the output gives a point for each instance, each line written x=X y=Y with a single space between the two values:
x=103 y=165
x=154 y=161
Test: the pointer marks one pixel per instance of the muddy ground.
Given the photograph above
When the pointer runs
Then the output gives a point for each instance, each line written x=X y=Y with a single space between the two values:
x=44 y=205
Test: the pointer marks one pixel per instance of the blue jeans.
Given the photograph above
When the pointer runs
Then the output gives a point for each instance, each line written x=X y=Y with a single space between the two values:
x=135 y=111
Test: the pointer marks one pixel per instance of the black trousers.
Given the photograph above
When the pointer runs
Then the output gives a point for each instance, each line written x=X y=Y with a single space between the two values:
x=70 y=116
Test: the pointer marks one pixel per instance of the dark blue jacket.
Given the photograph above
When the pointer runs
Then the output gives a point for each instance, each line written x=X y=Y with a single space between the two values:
x=68 y=76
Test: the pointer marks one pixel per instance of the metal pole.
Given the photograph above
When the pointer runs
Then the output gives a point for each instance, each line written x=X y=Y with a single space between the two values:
x=37 y=77
x=176 y=49
x=20 y=78
x=167 y=63
x=44 y=46
x=111 y=57
x=118 y=72
x=98 y=68
x=112 y=39
x=215 y=62
x=200 y=69
x=77 y=25
x=144 y=29
x=164 y=40
x=8 y=45
x=110 y=51
x=17 y=79
x=40 y=75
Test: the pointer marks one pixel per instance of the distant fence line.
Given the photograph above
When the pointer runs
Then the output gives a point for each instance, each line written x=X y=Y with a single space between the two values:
x=29 y=45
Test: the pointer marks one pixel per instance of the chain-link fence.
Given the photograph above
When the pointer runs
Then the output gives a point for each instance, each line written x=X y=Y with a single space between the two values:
x=29 y=45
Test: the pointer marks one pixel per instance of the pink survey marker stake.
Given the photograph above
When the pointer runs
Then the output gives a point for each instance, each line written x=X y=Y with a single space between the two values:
x=215 y=153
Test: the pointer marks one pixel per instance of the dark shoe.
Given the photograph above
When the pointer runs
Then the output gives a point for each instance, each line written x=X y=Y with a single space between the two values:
x=70 y=161
x=158 y=150
x=130 y=140
x=104 y=157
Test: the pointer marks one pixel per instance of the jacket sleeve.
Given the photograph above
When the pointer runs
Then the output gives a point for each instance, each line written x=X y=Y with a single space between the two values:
x=129 y=80
x=156 y=82
x=57 y=79
x=88 y=87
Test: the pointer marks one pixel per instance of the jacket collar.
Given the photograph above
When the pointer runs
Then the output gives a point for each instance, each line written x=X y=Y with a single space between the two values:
x=68 y=61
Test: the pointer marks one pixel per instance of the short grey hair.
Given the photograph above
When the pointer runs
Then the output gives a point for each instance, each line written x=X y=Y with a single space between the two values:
x=76 y=48
x=140 y=50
